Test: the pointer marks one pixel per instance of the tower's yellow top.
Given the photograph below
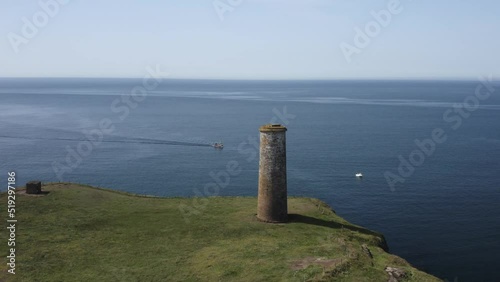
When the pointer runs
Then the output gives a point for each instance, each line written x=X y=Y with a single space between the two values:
x=272 y=128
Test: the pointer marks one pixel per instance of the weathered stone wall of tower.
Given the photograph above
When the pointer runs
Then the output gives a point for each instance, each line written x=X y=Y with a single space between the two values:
x=272 y=197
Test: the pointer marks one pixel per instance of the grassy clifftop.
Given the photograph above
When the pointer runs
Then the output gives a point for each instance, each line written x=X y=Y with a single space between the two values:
x=78 y=233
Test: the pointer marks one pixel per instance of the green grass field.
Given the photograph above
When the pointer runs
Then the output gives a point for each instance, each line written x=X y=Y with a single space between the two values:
x=80 y=233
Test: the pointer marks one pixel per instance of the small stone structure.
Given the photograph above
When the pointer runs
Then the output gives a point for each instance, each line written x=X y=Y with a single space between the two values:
x=34 y=187
x=272 y=197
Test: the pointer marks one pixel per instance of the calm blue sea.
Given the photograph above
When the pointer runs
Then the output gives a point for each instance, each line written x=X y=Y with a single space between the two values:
x=444 y=218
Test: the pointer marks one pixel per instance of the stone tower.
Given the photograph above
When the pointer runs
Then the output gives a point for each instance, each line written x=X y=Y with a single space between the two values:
x=272 y=198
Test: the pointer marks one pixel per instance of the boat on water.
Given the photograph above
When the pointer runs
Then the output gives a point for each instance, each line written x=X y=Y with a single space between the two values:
x=359 y=175
x=218 y=145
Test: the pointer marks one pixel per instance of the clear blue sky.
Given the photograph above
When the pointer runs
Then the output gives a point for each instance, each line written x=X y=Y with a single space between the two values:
x=259 y=39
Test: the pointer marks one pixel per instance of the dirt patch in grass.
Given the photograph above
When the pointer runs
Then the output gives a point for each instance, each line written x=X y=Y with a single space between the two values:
x=306 y=262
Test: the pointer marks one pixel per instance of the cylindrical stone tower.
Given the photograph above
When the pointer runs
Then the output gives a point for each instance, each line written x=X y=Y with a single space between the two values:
x=272 y=198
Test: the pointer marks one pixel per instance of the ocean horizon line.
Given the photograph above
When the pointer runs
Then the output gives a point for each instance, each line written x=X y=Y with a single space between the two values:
x=411 y=79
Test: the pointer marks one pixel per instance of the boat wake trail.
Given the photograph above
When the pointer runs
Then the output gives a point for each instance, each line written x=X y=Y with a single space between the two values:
x=121 y=140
